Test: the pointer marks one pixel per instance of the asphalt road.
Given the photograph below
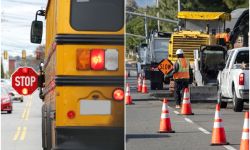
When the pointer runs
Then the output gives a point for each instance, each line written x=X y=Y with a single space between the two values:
x=192 y=132
x=21 y=130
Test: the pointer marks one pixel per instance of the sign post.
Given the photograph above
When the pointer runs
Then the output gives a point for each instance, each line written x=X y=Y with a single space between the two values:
x=24 y=80
x=165 y=66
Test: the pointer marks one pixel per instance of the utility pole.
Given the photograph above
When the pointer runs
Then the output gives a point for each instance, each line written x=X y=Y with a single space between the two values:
x=146 y=26
x=158 y=15
x=179 y=6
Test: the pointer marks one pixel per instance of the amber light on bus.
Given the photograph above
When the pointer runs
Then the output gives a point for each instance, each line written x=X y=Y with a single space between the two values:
x=118 y=94
x=97 y=59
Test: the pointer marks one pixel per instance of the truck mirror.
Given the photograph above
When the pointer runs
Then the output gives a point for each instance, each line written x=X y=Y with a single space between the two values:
x=36 y=32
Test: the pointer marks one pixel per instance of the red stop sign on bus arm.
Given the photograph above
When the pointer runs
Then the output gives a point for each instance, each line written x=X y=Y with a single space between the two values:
x=24 y=80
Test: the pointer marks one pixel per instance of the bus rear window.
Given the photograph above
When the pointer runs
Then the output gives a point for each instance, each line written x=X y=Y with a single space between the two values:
x=97 y=15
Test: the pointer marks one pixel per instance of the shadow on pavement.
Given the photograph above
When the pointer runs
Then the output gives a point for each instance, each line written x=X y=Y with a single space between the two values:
x=145 y=136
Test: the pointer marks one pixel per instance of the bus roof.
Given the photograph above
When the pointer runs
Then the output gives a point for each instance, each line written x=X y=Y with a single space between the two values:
x=197 y=15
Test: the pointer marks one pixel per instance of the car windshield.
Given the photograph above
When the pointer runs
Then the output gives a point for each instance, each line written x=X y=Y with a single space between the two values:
x=4 y=92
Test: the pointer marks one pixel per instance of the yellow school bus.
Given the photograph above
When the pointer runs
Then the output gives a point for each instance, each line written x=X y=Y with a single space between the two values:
x=83 y=92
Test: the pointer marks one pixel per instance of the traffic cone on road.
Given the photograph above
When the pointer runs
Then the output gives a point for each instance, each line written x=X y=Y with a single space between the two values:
x=165 y=123
x=218 y=133
x=186 y=105
x=139 y=86
x=144 y=86
x=128 y=98
x=244 y=144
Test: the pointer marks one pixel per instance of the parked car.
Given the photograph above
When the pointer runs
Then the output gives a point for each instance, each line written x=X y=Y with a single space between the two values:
x=15 y=95
x=234 y=79
x=6 y=102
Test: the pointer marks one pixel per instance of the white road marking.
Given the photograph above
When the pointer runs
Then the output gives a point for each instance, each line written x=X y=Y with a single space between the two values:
x=176 y=112
x=204 y=130
x=229 y=147
x=188 y=120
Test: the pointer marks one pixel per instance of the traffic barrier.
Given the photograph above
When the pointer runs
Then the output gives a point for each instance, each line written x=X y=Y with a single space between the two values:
x=165 y=123
x=218 y=133
x=144 y=86
x=244 y=144
x=128 y=98
x=186 y=105
x=139 y=85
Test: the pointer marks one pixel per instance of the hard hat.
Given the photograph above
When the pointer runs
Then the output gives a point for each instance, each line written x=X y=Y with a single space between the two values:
x=179 y=51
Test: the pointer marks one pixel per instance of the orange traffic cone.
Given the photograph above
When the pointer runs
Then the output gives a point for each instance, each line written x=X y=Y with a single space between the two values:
x=218 y=134
x=165 y=123
x=144 y=86
x=186 y=105
x=139 y=86
x=244 y=144
x=128 y=98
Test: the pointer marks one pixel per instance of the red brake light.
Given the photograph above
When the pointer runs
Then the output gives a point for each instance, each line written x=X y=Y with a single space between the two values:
x=241 y=79
x=71 y=114
x=97 y=59
x=118 y=94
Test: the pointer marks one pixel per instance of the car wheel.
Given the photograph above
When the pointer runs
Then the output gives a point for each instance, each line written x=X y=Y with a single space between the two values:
x=21 y=100
x=9 y=112
x=237 y=103
x=223 y=104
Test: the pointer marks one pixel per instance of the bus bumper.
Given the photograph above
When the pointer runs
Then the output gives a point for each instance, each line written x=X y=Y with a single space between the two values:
x=89 y=138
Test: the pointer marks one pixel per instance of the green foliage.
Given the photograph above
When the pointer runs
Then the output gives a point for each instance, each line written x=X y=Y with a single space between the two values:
x=168 y=9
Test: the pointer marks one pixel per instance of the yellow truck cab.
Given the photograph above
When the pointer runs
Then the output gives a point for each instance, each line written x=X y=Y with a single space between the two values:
x=84 y=74
x=196 y=29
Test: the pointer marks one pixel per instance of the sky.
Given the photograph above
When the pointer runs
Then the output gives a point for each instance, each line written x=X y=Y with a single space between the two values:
x=16 y=18
x=144 y=3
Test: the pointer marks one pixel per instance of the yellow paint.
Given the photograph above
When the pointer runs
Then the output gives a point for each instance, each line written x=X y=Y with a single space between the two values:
x=24 y=112
x=70 y=98
x=22 y=137
x=17 y=133
x=27 y=114
x=64 y=62
x=195 y=15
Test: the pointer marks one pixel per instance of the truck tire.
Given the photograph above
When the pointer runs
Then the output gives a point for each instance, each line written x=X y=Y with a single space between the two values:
x=238 y=104
x=160 y=86
x=153 y=85
x=223 y=104
x=9 y=112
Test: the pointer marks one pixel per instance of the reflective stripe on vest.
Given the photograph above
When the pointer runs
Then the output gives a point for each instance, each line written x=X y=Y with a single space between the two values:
x=183 y=71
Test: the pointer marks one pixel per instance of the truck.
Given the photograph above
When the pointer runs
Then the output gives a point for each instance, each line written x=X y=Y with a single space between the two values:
x=151 y=55
x=208 y=60
x=196 y=29
x=233 y=79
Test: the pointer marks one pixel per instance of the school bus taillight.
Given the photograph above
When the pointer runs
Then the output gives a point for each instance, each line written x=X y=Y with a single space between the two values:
x=83 y=59
x=71 y=114
x=118 y=94
x=97 y=59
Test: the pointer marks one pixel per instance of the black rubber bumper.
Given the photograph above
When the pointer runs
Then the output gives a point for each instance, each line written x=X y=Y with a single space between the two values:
x=89 y=138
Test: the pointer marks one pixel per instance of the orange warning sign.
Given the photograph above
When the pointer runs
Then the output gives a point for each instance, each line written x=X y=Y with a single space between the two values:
x=165 y=66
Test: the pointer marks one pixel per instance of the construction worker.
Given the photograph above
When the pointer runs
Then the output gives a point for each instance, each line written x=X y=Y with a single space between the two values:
x=181 y=74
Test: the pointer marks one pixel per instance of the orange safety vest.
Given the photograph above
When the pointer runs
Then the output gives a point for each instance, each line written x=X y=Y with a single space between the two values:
x=183 y=71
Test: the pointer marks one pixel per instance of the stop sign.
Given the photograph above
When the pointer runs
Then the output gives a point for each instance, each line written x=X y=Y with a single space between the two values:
x=24 y=80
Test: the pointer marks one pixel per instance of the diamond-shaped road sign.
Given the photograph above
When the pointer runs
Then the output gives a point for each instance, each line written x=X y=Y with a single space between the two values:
x=24 y=80
x=165 y=66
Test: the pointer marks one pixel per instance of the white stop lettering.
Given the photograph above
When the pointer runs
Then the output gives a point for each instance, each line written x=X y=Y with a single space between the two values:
x=24 y=81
